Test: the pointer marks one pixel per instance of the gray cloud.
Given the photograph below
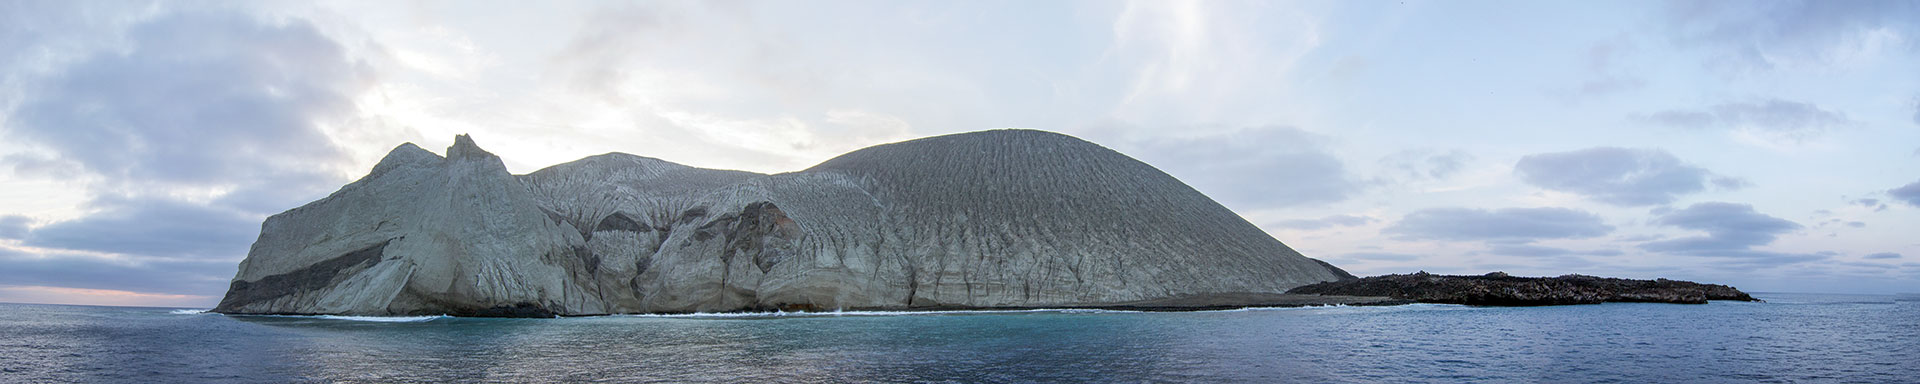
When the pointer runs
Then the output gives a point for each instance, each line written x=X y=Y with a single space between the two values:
x=1424 y=164
x=1269 y=167
x=1870 y=203
x=1781 y=119
x=1503 y=225
x=1785 y=33
x=1909 y=193
x=155 y=228
x=1729 y=183
x=195 y=99
x=1531 y=250
x=1732 y=230
x=1325 y=222
x=185 y=103
x=1604 y=73
x=1381 y=256
x=14 y=226
x=185 y=277
x=1617 y=176
x=1882 y=256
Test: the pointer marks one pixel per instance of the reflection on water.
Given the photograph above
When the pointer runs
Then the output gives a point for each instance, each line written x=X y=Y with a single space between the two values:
x=1800 y=337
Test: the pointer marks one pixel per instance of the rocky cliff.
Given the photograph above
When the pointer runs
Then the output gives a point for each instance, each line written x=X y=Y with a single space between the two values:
x=1500 y=289
x=1004 y=218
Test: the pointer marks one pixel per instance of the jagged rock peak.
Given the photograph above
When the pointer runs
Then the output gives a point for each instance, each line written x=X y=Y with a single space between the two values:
x=405 y=155
x=464 y=148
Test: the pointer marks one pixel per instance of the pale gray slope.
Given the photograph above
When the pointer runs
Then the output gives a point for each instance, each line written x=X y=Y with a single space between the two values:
x=420 y=234
x=1024 y=218
x=1005 y=218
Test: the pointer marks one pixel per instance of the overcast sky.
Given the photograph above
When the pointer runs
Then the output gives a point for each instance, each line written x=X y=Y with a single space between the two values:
x=1774 y=146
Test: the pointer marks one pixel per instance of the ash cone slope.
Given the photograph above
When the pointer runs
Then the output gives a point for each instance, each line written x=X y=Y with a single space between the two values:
x=991 y=219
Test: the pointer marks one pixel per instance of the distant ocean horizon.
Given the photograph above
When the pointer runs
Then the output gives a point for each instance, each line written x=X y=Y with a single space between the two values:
x=1793 y=337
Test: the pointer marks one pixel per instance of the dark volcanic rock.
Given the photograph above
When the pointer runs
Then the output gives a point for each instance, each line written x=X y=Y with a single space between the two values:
x=1500 y=289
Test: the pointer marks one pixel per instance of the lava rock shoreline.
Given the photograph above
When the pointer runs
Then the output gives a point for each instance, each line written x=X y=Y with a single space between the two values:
x=1500 y=289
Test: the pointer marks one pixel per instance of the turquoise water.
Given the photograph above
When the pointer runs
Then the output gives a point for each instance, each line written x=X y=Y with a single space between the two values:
x=1791 y=338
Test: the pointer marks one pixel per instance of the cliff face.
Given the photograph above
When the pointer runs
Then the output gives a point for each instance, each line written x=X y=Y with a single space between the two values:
x=1006 y=218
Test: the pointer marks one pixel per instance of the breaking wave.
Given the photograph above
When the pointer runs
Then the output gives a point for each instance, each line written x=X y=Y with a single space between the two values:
x=756 y=315
x=1330 y=309
x=375 y=319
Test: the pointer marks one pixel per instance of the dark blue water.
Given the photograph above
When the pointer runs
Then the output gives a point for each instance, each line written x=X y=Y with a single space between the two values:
x=1792 y=338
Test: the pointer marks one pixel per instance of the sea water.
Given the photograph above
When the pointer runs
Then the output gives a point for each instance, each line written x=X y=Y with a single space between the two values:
x=1790 y=338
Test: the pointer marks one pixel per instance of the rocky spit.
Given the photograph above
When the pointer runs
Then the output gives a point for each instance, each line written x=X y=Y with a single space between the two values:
x=990 y=219
x=1499 y=289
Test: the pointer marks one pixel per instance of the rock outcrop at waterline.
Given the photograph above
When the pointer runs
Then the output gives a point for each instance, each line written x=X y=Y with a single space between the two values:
x=1003 y=218
x=1499 y=289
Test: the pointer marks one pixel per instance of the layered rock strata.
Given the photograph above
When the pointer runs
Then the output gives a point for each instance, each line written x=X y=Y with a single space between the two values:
x=1499 y=289
x=991 y=219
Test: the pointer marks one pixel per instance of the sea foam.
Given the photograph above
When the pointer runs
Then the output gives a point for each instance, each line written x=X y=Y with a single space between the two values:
x=384 y=319
x=757 y=315
x=375 y=319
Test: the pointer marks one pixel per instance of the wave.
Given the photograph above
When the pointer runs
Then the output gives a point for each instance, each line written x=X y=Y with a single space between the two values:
x=189 y=311
x=1322 y=309
x=758 y=315
x=375 y=319
x=385 y=319
x=1343 y=308
x=766 y=315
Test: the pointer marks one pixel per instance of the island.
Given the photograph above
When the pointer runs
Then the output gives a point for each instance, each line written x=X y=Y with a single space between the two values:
x=998 y=219
x=1500 y=289
x=979 y=220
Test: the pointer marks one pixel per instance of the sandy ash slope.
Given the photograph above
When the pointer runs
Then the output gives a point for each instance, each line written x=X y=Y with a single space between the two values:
x=990 y=219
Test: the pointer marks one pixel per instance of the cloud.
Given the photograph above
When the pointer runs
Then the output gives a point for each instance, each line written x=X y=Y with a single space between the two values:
x=1909 y=193
x=185 y=133
x=1192 y=61
x=1792 y=33
x=14 y=226
x=1782 y=120
x=1426 y=164
x=1882 y=256
x=1507 y=249
x=153 y=228
x=1604 y=75
x=1325 y=222
x=1617 y=176
x=1503 y=225
x=1380 y=256
x=766 y=84
x=1732 y=230
x=195 y=99
x=1269 y=167
x=1870 y=203
x=191 y=277
x=1916 y=114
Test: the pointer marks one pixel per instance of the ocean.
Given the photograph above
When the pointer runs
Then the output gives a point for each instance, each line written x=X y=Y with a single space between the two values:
x=1789 y=338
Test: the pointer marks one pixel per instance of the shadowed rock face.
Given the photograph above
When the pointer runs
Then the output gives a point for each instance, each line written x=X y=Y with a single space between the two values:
x=1005 y=218
x=1499 y=289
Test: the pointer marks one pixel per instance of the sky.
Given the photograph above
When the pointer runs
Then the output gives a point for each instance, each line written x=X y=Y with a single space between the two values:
x=1773 y=146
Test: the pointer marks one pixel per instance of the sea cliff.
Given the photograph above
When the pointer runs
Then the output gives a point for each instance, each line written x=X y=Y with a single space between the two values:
x=990 y=219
